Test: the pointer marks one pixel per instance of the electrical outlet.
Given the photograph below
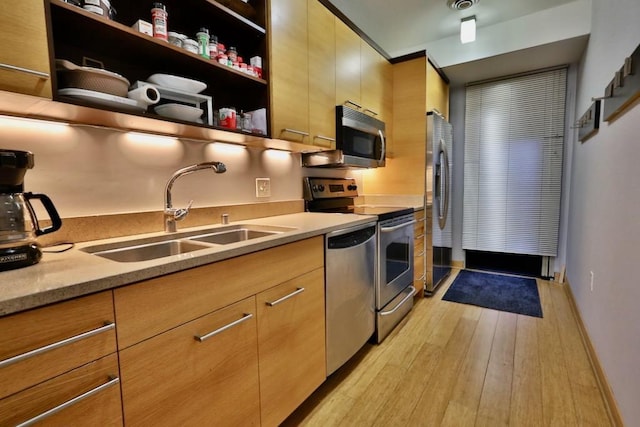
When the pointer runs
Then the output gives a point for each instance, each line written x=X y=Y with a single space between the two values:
x=591 y=274
x=263 y=187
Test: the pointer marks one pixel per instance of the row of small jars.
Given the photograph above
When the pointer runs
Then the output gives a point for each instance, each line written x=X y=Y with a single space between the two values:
x=208 y=47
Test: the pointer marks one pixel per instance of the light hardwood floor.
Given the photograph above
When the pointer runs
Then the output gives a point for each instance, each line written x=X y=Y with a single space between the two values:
x=450 y=364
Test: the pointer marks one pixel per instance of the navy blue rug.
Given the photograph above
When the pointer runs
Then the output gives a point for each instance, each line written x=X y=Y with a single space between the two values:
x=506 y=293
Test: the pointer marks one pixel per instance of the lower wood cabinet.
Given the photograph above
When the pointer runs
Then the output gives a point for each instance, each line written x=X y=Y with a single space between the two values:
x=203 y=373
x=86 y=396
x=419 y=253
x=291 y=344
x=58 y=364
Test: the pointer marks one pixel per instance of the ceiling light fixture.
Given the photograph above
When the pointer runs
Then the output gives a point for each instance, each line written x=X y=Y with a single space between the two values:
x=468 y=29
x=461 y=4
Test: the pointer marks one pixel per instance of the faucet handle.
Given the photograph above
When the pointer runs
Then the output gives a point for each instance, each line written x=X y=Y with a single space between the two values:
x=180 y=214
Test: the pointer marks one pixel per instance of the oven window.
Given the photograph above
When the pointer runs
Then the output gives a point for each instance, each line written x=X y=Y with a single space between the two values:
x=397 y=259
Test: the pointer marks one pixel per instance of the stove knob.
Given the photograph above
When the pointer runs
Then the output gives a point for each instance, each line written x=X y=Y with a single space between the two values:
x=321 y=188
x=352 y=187
x=314 y=188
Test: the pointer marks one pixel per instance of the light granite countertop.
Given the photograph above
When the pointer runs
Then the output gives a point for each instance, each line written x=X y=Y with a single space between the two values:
x=61 y=276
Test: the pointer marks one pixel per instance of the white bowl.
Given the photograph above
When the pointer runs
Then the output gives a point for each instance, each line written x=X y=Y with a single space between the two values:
x=176 y=82
x=179 y=111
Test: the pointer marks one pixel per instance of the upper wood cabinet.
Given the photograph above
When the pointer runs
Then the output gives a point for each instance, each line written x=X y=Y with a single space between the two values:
x=322 y=75
x=348 y=68
x=289 y=70
x=24 y=49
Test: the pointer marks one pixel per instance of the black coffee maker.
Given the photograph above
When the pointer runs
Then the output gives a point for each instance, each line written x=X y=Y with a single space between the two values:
x=18 y=222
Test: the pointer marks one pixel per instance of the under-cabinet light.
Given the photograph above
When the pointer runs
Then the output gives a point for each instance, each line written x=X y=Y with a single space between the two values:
x=33 y=124
x=228 y=148
x=151 y=139
x=468 y=29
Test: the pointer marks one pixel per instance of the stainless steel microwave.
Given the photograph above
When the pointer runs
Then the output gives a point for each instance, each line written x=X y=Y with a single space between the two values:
x=360 y=142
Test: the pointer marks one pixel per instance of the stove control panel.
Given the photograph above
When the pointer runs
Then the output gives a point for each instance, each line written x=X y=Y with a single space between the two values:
x=329 y=188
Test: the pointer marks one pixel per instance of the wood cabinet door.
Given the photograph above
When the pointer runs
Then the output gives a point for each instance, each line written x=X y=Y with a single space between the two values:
x=322 y=75
x=91 y=394
x=177 y=379
x=371 y=80
x=347 y=64
x=39 y=344
x=23 y=44
x=289 y=73
x=437 y=92
x=291 y=344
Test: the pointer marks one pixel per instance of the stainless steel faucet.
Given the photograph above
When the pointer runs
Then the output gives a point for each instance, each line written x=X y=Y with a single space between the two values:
x=171 y=214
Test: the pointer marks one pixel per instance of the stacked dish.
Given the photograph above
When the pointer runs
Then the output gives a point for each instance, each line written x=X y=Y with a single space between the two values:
x=183 y=86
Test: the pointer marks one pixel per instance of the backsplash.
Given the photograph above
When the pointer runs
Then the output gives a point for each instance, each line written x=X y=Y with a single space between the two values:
x=90 y=171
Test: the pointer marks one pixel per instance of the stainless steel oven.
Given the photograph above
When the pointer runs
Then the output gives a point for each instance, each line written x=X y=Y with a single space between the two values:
x=394 y=290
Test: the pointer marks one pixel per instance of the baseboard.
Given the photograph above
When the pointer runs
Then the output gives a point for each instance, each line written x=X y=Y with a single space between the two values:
x=603 y=384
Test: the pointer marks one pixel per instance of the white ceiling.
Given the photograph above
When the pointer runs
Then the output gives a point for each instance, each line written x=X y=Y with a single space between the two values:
x=405 y=26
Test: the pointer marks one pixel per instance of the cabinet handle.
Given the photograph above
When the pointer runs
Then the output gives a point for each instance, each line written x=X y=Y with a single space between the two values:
x=286 y=297
x=419 y=237
x=107 y=326
x=371 y=111
x=324 y=138
x=245 y=317
x=25 y=70
x=355 y=104
x=420 y=254
x=113 y=380
x=386 y=313
x=422 y=278
x=296 y=131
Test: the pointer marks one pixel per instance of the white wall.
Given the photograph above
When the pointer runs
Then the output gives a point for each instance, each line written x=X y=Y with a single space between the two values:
x=604 y=216
x=90 y=171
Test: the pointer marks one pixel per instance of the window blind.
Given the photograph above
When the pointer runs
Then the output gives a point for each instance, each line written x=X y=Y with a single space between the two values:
x=514 y=137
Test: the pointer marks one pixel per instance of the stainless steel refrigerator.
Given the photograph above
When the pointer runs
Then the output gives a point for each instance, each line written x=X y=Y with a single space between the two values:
x=438 y=196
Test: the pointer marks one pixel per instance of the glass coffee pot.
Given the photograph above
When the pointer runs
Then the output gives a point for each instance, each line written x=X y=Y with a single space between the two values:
x=19 y=226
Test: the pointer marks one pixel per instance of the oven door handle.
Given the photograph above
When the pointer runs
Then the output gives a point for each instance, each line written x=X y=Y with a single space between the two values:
x=396 y=227
x=400 y=304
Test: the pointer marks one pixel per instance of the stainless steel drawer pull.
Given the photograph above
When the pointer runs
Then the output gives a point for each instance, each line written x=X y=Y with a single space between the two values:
x=420 y=254
x=286 y=297
x=296 y=131
x=24 y=70
x=113 y=380
x=419 y=237
x=396 y=227
x=107 y=326
x=387 y=313
x=371 y=111
x=422 y=278
x=245 y=317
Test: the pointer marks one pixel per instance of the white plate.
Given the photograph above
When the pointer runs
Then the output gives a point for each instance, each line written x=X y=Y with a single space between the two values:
x=179 y=83
x=104 y=99
x=179 y=111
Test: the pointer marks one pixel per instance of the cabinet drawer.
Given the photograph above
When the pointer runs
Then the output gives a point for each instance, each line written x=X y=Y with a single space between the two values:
x=418 y=228
x=39 y=344
x=89 y=396
x=418 y=267
x=419 y=215
x=148 y=308
x=291 y=342
x=175 y=380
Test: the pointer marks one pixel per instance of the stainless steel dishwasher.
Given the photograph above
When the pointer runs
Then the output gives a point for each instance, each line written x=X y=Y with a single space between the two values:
x=350 y=261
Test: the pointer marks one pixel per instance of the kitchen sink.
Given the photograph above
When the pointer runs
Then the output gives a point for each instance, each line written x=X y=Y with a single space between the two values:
x=238 y=233
x=182 y=242
x=149 y=251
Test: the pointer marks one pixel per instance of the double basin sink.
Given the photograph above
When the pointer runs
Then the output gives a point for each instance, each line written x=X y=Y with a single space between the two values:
x=179 y=243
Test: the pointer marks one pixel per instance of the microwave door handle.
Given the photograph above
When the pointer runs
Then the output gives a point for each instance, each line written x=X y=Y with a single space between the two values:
x=383 y=148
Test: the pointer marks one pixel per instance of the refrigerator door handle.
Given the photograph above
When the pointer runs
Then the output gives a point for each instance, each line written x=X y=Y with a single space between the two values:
x=443 y=199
